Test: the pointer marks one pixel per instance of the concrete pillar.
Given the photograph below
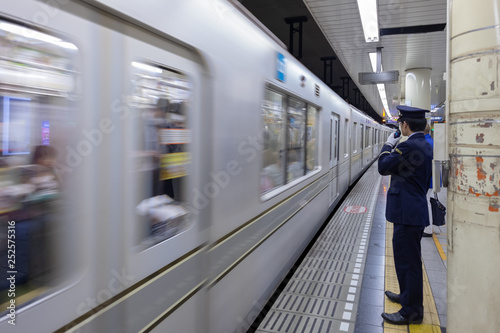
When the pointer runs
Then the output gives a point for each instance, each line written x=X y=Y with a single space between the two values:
x=418 y=88
x=473 y=122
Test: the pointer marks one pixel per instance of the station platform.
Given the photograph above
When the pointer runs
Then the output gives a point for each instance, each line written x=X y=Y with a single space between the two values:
x=339 y=284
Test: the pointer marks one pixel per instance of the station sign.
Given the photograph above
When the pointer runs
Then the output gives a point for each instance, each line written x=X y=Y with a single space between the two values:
x=388 y=77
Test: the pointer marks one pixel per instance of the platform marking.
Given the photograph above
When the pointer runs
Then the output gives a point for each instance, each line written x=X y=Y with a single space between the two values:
x=344 y=327
x=346 y=315
x=439 y=247
x=355 y=209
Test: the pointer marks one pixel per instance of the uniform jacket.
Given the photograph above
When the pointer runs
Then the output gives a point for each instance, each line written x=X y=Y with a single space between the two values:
x=409 y=166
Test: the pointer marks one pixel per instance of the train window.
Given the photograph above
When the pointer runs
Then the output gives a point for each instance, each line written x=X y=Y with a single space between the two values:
x=273 y=114
x=161 y=156
x=346 y=142
x=296 y=124
x=331 y=136
x=334 y=140
x=359 y=139
x=336 y=143
x=367 y=137
x=311 y=138
x=289 y=140
x=356 y=137
x=38 y=79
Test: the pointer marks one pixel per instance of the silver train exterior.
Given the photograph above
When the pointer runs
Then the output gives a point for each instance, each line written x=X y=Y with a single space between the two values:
x=193 y=161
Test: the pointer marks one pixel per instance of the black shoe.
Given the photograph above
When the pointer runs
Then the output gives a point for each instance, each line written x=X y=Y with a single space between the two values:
x=397 y=319
x=427 y=235
x=392 y=296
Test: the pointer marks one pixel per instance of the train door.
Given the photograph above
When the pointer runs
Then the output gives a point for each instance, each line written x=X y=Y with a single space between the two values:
x=334 y=156
x=40 y=237
x=164 y=238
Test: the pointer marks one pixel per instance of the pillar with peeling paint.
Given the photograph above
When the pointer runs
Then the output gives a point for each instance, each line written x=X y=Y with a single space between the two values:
x=474 y=148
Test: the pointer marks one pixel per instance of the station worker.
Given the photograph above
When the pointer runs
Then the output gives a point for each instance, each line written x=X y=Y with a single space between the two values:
x=409 y=165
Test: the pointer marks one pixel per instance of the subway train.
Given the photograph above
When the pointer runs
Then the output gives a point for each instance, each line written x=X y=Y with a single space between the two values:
x=164 y=164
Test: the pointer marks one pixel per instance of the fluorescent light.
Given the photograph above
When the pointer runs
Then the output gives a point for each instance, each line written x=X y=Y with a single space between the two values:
x=369 y=19
x=147 y=68
x=373 y=61
x=383 y=95
x=380 y=86
x=33 y=34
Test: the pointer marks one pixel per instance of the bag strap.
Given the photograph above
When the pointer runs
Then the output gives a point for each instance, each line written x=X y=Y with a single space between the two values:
x=436 y=196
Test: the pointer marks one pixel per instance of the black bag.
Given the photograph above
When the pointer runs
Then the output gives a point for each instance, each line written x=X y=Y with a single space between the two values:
x=438 y=211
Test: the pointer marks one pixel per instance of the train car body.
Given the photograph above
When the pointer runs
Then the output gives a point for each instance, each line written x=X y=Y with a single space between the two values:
x=196 y=159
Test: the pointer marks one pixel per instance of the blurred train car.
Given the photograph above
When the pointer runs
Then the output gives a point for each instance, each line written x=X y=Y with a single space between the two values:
x=163 y=164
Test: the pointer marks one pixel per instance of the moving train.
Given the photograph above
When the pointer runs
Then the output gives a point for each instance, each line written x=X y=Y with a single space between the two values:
x=164 y=164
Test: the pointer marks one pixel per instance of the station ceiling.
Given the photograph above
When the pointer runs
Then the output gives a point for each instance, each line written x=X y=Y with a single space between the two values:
x=413 y=36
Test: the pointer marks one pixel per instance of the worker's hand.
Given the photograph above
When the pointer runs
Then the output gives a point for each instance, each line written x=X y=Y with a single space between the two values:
x=392 y=141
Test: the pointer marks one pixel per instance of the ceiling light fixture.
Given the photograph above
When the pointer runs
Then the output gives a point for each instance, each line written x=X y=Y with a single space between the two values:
x=380 y=86
x=369 y=19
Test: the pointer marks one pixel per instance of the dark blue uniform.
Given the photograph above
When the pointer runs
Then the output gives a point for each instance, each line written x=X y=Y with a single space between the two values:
x=409 y=166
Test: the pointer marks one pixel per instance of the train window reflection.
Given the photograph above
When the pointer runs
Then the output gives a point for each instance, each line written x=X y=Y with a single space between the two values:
x=348 y=138
x=359 y=138
x=273 y=114
x=161 y=157
x=37 y=92
x=367 y=137
x=15 y=125
x=289 y=139
x=296 y=130
x=311 y=138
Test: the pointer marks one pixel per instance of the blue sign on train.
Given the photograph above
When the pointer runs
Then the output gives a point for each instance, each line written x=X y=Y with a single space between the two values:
x=281 y=67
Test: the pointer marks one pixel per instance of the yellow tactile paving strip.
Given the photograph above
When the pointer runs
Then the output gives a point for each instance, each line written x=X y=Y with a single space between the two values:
x=431 y=322
x=439 y=246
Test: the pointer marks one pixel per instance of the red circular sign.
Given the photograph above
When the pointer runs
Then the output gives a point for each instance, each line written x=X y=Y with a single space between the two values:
x=355 y=209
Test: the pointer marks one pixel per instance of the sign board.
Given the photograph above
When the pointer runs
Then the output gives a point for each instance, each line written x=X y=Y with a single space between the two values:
x=381 y=77
x=281 y=67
